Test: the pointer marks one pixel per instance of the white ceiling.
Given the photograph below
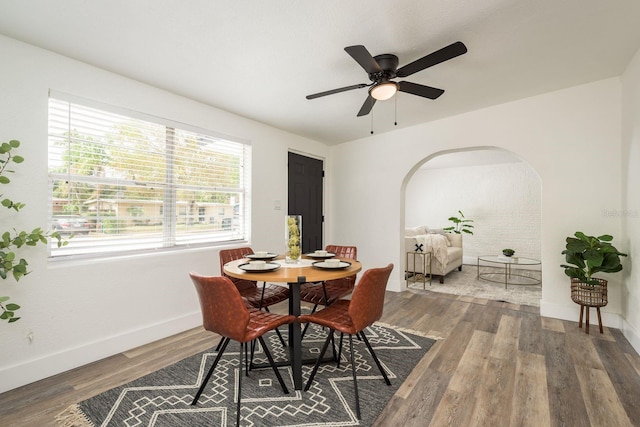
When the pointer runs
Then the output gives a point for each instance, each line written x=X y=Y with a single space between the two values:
x=259 y=59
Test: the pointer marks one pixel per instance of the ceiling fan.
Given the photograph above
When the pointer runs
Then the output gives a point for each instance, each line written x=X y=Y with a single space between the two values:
x=382 y=69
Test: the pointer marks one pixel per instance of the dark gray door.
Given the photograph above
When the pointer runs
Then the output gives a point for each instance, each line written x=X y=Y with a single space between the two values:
x=305 y=198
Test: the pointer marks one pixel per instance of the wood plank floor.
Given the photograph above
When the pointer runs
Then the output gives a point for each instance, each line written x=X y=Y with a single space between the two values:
x=496 y=364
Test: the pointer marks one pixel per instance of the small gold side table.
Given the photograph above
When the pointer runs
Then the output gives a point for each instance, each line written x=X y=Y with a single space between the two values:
x=424 y=259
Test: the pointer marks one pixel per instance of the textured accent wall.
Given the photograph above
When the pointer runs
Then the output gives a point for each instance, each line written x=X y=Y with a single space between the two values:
x=502 y=199
x=629 y=239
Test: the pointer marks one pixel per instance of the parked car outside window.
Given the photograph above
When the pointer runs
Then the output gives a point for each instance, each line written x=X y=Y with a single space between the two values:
x=68 y=224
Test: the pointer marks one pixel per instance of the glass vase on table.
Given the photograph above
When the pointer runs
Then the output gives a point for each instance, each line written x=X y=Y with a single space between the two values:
x=293 y=235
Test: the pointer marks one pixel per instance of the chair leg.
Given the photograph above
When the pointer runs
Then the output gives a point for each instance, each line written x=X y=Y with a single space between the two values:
x=273 y=365
x=264 y=286
x=326 y=297
x=353 y=372
x=253 y=349
x=243 y=346
x=307 y=325
x=219 y=344
x=246 y=361
x=340 y=350
x=284 y=345
x=333 y=346
x=375 y=358
x=224 y=343
x=317 y=365
x=304 y=331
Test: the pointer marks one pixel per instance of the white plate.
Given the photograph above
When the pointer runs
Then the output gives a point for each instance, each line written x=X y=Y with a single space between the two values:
x=323 y=264
x=319 y=256
x=268 y=256
x=269 y=266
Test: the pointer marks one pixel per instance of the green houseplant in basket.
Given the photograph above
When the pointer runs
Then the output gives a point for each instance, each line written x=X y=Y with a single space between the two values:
x=586 y=256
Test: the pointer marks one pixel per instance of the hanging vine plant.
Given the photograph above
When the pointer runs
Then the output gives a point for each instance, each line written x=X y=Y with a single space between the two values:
x=12 y=241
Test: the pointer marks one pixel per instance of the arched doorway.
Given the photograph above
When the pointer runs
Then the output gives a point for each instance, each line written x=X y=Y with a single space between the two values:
x=495 y=188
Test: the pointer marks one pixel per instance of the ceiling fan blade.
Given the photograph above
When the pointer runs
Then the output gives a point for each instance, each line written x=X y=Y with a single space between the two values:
x=364 y=58
x=444 y=54
x=331 y=92
x=367 y=106
x=420 y=90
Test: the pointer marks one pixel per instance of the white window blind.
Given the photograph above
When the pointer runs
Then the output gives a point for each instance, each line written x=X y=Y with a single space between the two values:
x=122 y=183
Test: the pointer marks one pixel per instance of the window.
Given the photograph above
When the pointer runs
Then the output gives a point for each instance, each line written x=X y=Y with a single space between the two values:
x=124 y=181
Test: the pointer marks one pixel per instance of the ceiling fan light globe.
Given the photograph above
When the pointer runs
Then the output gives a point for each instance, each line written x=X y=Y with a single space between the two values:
x=383 y=91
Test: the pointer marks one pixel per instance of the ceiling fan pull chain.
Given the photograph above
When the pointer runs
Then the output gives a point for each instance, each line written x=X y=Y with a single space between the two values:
x=395 y=122
x=371 y=122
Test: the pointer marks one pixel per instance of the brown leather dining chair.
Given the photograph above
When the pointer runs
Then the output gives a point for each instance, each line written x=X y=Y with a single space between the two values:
x=331 y=290
x=257 y=297
x=224 y=312
x=352 y=317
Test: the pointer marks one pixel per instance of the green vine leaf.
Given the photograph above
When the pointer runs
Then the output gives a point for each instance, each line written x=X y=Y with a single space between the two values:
x=10 y=263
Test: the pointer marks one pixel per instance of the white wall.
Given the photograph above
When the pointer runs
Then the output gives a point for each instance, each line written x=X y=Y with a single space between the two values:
x=630 y=213
x=565 y=136
x=503 y=200
x=82 y=311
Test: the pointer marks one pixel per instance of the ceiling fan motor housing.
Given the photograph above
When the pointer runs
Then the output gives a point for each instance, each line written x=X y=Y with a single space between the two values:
x=389 y=64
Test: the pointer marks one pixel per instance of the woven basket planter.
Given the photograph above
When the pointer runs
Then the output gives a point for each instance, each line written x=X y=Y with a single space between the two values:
x=589 y=295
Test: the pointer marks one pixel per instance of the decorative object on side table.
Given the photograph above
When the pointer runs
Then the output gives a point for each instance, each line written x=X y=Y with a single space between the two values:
x=508 y=252
x=294 y=239
x=460 y=225
x=586 y=256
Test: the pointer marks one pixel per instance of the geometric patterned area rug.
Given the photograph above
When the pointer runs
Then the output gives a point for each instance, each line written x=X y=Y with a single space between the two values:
x=163 y=398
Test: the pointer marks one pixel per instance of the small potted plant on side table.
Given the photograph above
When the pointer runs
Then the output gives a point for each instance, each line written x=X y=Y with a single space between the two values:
x=586 y=256
x=508 y=252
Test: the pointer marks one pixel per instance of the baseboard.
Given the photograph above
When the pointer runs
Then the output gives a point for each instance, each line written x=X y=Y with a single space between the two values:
x=469 y=261
x=396 y=285
x=631 y=335
x=572 y=313
x=37 y=369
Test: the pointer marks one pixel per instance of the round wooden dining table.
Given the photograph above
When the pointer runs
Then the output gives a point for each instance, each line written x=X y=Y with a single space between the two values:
x=293 y=275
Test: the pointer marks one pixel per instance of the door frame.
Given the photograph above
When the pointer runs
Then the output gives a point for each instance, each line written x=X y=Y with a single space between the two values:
x=323 y=231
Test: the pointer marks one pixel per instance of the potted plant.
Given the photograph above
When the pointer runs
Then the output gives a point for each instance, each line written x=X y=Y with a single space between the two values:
x=460 y=225
x=508 y=252
x=586 y=256
x=14 y=241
